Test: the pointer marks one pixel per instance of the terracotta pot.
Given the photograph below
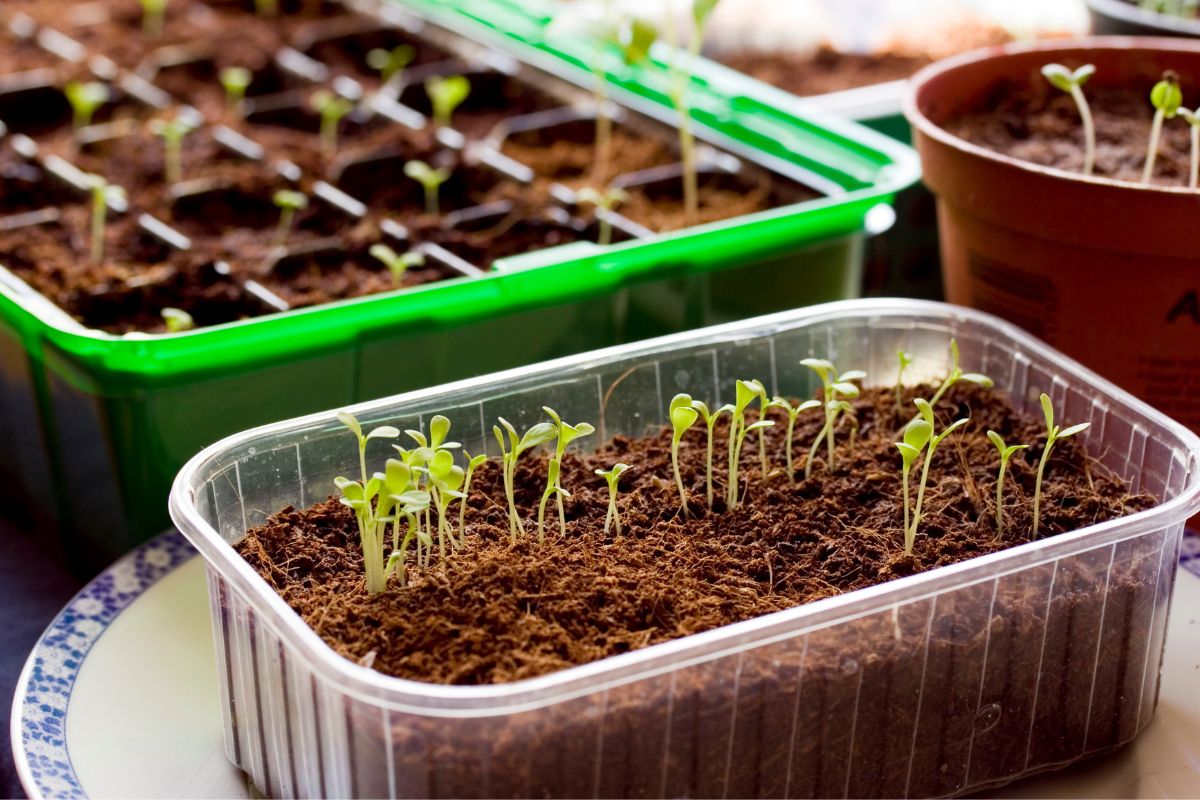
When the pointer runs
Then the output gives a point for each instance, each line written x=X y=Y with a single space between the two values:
x=1107 y=271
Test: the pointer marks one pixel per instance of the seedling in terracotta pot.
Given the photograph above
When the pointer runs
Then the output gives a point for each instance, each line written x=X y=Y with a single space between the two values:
x=177 y=320
x=1166 y=97
x=390 y=64
x=834 y=387
x=154 y=12
x=235 y=81
x=173 y=133
x=1193 y=120
x=793 y=413
x=445 y=95
x=102 y=194
x=1072 y=83
x=431 y=180
x=613 y=478
x=905 y=360
x=1006 y=452
x=683 y=416
x=604 y=201
x=289 y=202
x=934 y=439
x=85 y=99
x=540 y=433
x=332 y=109
x=1053 y=434
x=956 y=375
x=397 y=263
x=710 y=419
x=681 y=80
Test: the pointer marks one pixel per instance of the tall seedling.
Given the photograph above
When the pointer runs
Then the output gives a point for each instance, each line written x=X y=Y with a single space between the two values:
x=681 y=80
x=834 y=388
x=683 y=416
x=710 y=419
x=510 y=452
x=1053 y=434
x=910 y=534
x=1072 y=83
x=1006 y=452
x=566 y=433
x=1166 y=97
x=360 y=496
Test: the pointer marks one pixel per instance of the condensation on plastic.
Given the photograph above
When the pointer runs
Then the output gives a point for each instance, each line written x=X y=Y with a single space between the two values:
x=942 y=683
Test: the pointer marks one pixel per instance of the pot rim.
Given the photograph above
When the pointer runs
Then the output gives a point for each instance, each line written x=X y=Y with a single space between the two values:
x=1136 y=15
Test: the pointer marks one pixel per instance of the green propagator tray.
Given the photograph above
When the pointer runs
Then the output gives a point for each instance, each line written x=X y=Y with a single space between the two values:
x=94 y=426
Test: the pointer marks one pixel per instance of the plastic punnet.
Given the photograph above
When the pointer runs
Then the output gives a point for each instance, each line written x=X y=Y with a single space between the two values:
x=941 y=683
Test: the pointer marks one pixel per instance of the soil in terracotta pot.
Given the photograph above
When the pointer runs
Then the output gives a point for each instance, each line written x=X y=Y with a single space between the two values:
x=496 y=611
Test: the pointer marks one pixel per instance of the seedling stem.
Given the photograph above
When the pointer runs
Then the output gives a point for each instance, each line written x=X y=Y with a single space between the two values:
x=332 y=109
x=396 y=263
x=289 y=202
x=235 y=81
x=683 y=416
x=431 y=180
x=445 y=95
x=1072 y=82
x=1006 y=452
x=1053 y=434
x=604 y=202
x=1166 y=97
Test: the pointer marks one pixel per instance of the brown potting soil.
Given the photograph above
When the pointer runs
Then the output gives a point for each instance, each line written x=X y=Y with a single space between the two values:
x=571 y=158
x=827 y=70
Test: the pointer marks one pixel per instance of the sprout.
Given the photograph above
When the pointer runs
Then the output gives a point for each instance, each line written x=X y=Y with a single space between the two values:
x=710 y=419
x=172 y=133
x=613 y=477
x=472 y=463
x=289 y=202
x=431 y=180
x=566 y=434
x=745 y=393
x=1053 y=434
x=154 y=12
x=235 y=80
x=409 y=503
x=1006 y=452
x=445 y=478
x=85 y=100
x=1072 y=82
x=1193 y=120
x=102 y=195
x=678 y=92
x=332 y=108
x=834 y=386
x=905 y=360
x=445 y=95
x=926 y=409
x=683 y=416
x=1166 y=97
x=397 y=264
x=266 y=8
x=604 y=202
x=957 y=375
x=793 y=412
x=763 y=404
x=391 y=63
x=916 y=436
x=358 y=495
x=540 y=433
x=552 y=488
x=177 y=320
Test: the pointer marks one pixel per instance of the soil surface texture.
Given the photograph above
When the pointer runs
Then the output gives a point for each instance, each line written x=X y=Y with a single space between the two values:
x=825 y=71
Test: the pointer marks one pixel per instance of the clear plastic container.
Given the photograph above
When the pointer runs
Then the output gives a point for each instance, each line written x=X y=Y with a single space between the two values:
x=942 y=683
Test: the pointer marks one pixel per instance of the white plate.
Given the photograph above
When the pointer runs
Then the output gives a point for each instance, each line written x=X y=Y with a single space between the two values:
x=119 y=698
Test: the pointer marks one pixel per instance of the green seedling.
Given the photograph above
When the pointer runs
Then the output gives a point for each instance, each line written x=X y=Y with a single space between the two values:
x=359 y=496
x=633 y=37
x=793 y=413
x=332 y=109
x=566 y=434
x=177 y=320
x=834 y=388
x=553 y=487
x=390 y=64
x=396 y=263
x=473 y=463
x=745 y=393
x=905 y=360
x=605 y=201
x=154 y=14
x=681 y=80
x=1072 y=83
x=431 y=181
x=235 y=81
x=926 y=409
x=173 y=132
x=683 y=416
x=613 y=478
x=409 y=503
x=102 y=195
x=85 y=100
x=446 y=480
x=1166 y=97
x=763 y=404
x=288 y=202
x=1192 y=118
x=1006 y=452
x=540 y=433
x=445 y=95
x=266 y=8
x=916 y=435
x=956 y=374
x=710 y=419
x=1053 y=434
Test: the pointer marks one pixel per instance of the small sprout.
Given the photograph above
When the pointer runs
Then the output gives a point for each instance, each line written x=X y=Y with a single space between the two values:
x=396 y=263
x=905 y=360
x=235 y=81
x=382 y=432
x=710 y=419
x=473 y=463
x=763 y=405
x=566 y=434
x=289 y=202
x=332 y=109
x=1053 y=434
x=85 y=100
x=956 y=375
x=445 y=95
x=391 y=63
x=358 y=495
x=173 y=133
x=177 y=320
x=266 y=8
x=613 y=477
x=446 y=479
x=604 y=203
x=1006 y=452
x=431 y=180
x=409 y=506
x=793 y=412
x=154 y=13
x=1072 y=83
x=540 y=433
x=745 y=393
x=553 y=487
x=683 y=416
x=1166 y=97
x=916 y=436
x=834 y=387
x=926 y=409
x=1193 y=120
x=678 y=92
x=103 y=194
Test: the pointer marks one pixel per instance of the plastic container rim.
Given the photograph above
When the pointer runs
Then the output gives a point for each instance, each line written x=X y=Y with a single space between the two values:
x=1128 y=12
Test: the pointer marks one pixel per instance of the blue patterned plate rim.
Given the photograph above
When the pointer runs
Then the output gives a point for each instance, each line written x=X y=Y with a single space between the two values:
x=43 y=695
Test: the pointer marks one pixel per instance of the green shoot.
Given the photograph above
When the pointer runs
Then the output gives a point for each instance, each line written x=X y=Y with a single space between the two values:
x=102 y=195
x=553 y=487
x=566 y=434
x=763 y=405
x=396 y=264
x=85 y=100
x=177 y=320
x=926 y=409
x=332 y=109
x=288 y=202
x=1166 y=97
x=154 y=13
x=173 y=133
x=409 y=504
x=540 y=433
x=745 y=393
x=473 y=463
x=431 y=180
x=1072 y=83
x=681 y=79
x=956 y=375
x=916 y=436
x=683 y=416
x=445 y=95
x=613 y=478
x=235 y=81
x=905 y=360
x=834 y=387
x=358 y=495
x=1006 y=452
x=606 y=201
x=793 y=412
x=1193 y=120
x=446 y=479
x=710 y=419
x=391 y=63
x=1053 y=434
